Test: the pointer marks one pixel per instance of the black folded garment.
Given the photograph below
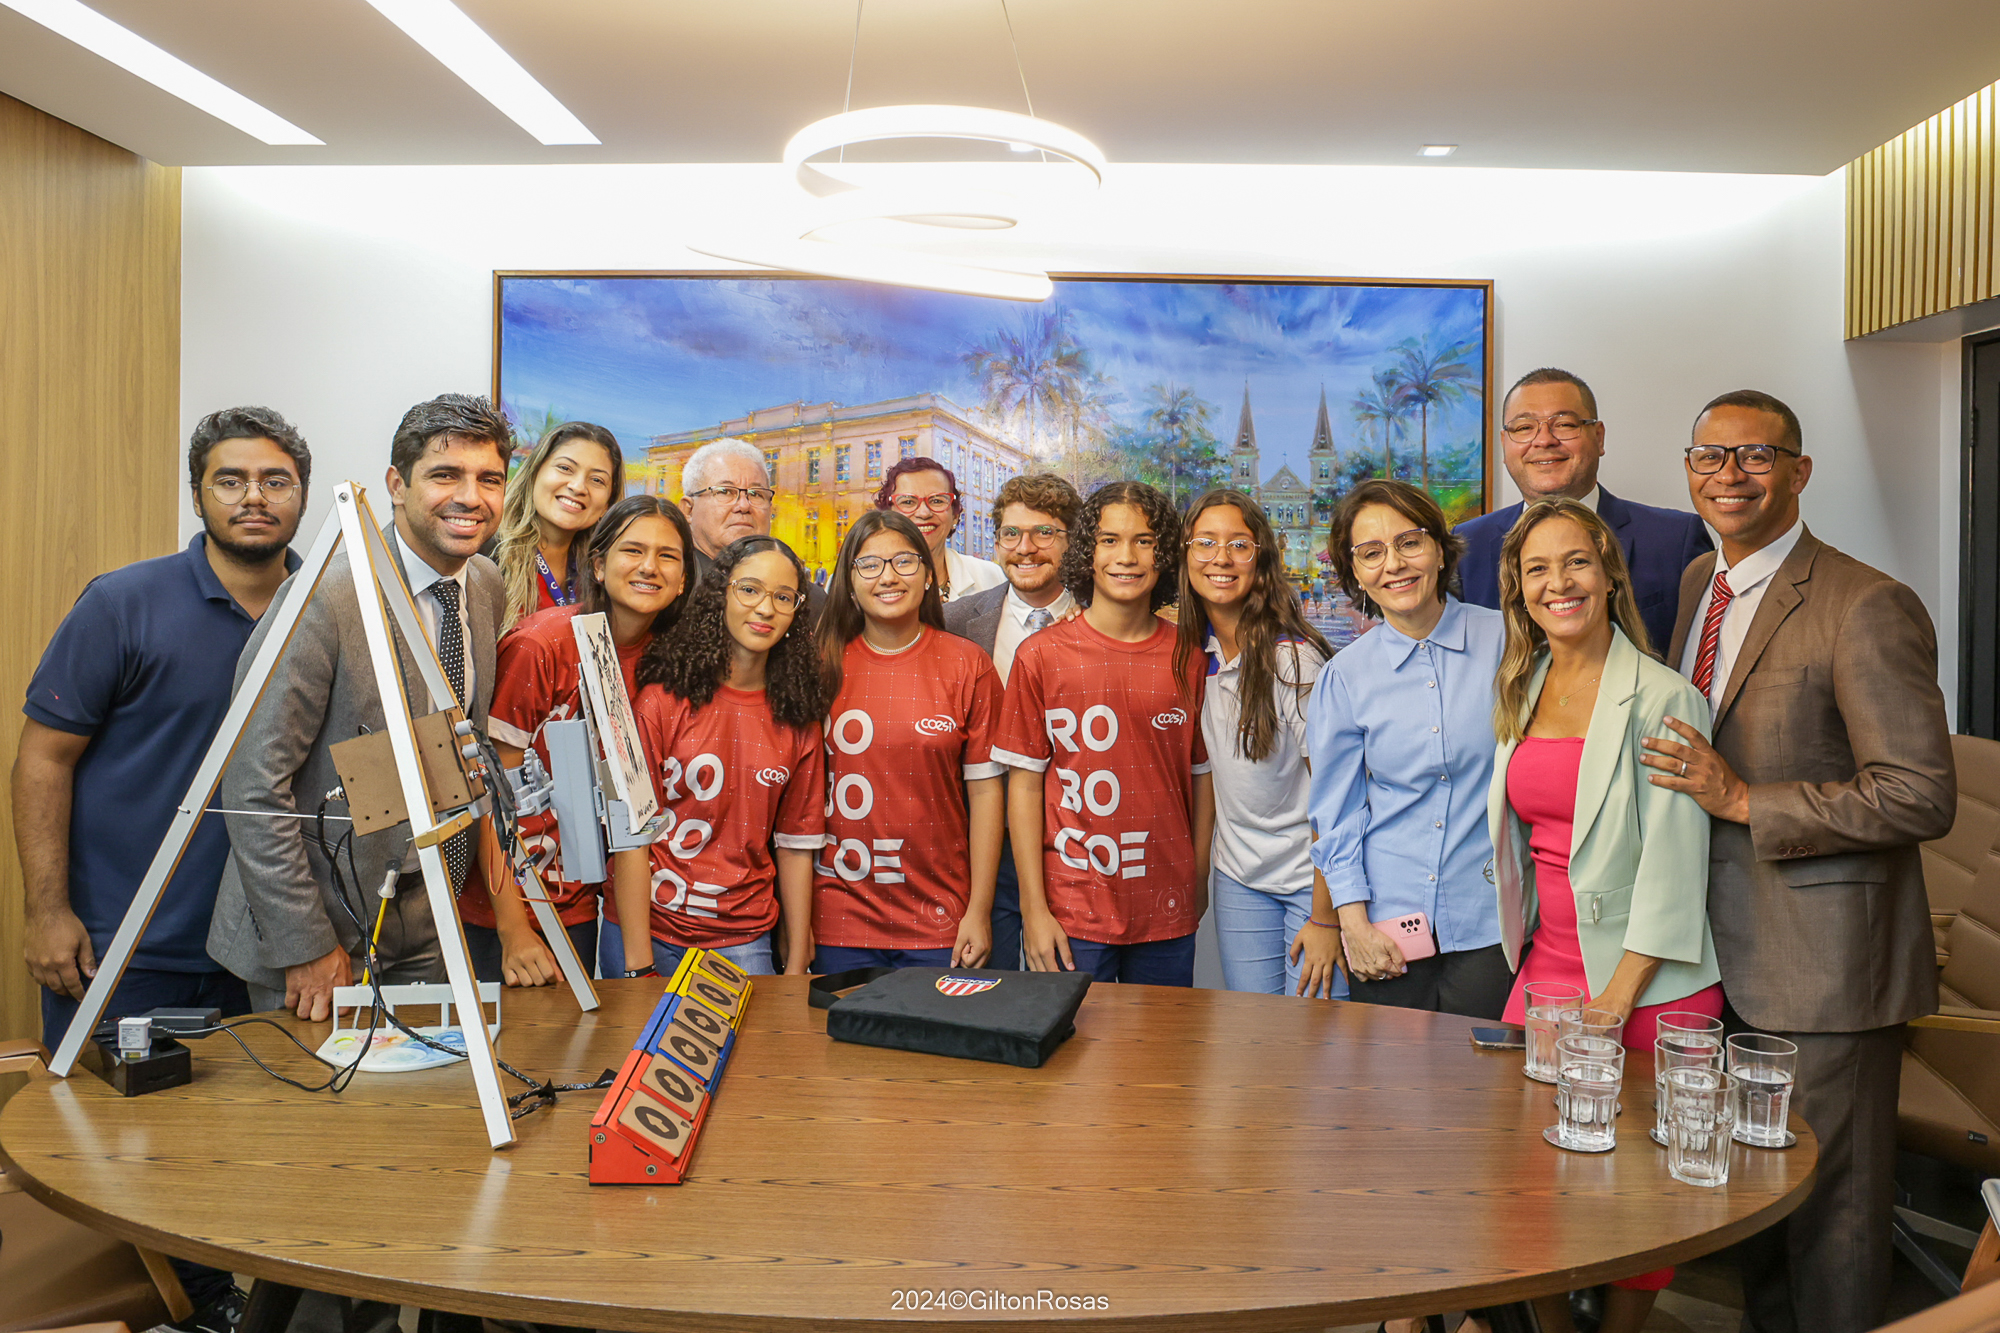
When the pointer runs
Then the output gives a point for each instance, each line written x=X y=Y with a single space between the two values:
x=1010 y=1018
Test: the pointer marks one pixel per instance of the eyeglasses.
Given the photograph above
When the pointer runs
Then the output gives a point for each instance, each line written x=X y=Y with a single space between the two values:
x=231 y=490
x=1206 y=550
x=1042 y=535
x=1704 y=459
x=909 y=504
x=1409 y=545
x=906 y=563
x=729 y=495
x=1564 y=426
x=750 y=594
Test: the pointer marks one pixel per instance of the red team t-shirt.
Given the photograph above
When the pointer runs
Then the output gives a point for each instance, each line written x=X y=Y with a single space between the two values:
x=1118 y=748
x=909 y=729
x=733 y=781
x=535 y=681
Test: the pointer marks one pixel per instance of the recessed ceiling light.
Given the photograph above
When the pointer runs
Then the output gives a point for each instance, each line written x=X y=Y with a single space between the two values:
x=463 y=47
x=134 y=54
x=1437 y=150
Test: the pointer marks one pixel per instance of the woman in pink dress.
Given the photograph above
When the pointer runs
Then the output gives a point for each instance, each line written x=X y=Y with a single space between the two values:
x=1602 y=875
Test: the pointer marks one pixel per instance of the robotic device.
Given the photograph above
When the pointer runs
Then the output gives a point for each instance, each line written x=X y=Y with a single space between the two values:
x=644 y=1132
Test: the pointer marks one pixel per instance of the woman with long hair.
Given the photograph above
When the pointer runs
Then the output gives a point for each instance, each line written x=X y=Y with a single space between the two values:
x=1274 y=921
x=554 y=499
x=634 y=572
x=918 y=806
x=1400 y=725
x=729 y=709
x=1601 y=876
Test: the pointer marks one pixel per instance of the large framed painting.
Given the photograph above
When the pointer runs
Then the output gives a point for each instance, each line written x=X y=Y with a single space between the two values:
x=1290 y=389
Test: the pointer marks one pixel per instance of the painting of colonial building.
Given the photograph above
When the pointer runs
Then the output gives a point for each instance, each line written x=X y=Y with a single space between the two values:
x=827 y=461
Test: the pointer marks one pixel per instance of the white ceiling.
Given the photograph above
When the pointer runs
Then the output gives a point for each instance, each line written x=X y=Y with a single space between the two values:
x=1797 y=86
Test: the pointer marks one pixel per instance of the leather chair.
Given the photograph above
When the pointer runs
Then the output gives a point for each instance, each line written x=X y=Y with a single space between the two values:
x=55 y=1273
x=1950 y=1101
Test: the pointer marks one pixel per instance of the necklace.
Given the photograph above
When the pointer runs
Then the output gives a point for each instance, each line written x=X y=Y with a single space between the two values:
x=1562 y=700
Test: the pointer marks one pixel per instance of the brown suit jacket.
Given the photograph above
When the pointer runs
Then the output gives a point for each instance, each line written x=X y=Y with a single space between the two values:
x=1833 y=715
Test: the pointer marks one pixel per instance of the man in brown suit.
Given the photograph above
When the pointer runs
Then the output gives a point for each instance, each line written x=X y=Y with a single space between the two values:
x=1831 y=762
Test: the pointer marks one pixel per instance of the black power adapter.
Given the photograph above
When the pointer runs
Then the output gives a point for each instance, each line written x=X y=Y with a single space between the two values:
x=138 y=1055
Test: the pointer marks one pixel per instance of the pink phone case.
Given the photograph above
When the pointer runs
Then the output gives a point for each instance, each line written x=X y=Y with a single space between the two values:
x=1412 y=934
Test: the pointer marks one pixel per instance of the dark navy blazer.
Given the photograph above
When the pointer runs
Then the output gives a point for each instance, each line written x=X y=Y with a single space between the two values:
x=1659 y=544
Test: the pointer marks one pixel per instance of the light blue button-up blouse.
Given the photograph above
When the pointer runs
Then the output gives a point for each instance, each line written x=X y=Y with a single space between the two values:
x=1401 y=736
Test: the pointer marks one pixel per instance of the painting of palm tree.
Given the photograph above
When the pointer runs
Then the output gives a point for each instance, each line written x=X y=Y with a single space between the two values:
x=1183 y=382
x=1428 y=376
x=1383 y=406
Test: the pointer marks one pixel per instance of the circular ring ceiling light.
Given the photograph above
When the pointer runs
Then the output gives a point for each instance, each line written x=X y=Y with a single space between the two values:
x=952 y=207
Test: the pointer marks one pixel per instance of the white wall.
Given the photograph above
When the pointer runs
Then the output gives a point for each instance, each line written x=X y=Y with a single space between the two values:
x=343 y=295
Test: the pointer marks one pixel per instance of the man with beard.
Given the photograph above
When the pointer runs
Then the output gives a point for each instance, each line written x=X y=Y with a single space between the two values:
x=1031 y=519
x=119 y=715
x=280 y=922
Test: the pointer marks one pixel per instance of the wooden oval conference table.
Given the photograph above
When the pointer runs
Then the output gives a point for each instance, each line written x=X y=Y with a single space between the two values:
x=1190 y=1159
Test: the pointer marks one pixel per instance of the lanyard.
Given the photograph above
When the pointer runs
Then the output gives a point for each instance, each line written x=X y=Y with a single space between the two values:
x=558 y=593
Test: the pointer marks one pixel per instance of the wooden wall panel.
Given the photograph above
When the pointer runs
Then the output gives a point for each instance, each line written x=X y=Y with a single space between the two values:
x=89 y=411
x=1920 y=218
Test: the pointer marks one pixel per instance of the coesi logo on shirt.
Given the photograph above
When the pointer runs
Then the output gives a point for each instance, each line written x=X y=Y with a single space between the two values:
x=1173 y=717
x=773 y=777
x=936 y=726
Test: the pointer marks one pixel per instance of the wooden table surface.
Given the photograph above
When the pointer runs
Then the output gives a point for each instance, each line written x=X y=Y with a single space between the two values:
x=1196 y=1159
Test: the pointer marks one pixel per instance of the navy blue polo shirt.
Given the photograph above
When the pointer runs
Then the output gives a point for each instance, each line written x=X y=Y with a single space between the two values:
x=143 y=665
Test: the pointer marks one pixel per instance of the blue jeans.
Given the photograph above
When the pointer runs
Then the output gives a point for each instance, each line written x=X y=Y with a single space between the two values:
x=754 y=957
x=1007 y=913
x=1255 y=931
x=833 y=958
x=139 y=990
x=1154 y=963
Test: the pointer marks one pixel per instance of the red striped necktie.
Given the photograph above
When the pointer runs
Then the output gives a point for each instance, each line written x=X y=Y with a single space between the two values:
x=1711 y=633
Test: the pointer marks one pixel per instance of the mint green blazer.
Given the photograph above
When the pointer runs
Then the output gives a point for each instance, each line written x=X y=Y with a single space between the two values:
x=1638 y=861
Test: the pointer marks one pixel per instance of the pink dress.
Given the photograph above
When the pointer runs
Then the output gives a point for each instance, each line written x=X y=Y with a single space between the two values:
x=1541 y=787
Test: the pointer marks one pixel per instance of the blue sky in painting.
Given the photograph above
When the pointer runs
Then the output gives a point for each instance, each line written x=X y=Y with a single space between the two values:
x=652 y=356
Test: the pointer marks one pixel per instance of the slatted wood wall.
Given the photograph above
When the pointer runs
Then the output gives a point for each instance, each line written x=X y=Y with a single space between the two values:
x=89 y=411
x=1920 y=218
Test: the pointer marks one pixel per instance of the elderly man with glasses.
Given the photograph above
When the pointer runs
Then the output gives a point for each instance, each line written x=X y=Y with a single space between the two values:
x=726 y=493
x=1553 y=442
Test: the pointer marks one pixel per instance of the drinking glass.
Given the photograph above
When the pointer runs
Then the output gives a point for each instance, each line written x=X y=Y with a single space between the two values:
x=1546 y=1001
x=1764 y=1067
x=1589 y=1071
x=1701 y=1106
x=1683 y=1039
x=1585 y=1022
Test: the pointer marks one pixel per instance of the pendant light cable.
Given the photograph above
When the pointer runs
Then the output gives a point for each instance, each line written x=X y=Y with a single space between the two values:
x=853 y=53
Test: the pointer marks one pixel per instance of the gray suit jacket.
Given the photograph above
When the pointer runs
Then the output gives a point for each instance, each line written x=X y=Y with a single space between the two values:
x=1833 y=715
x=977 y=617
x=276 y=905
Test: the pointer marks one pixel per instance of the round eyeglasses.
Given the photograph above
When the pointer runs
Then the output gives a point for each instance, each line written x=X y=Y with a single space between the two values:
x=1563 y=426
x=233 y=490
x=750 y=594
x=1206 y=550
x=1409 y=545
x=1042 y=536
x=910 y=504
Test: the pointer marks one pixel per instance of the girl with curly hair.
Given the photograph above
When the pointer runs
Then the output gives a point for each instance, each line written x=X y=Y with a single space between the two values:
x=1240 y=618
x=729 y=709
x=553 y=501
x=913 y=836
x=634 y=571
x=1112 y=854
